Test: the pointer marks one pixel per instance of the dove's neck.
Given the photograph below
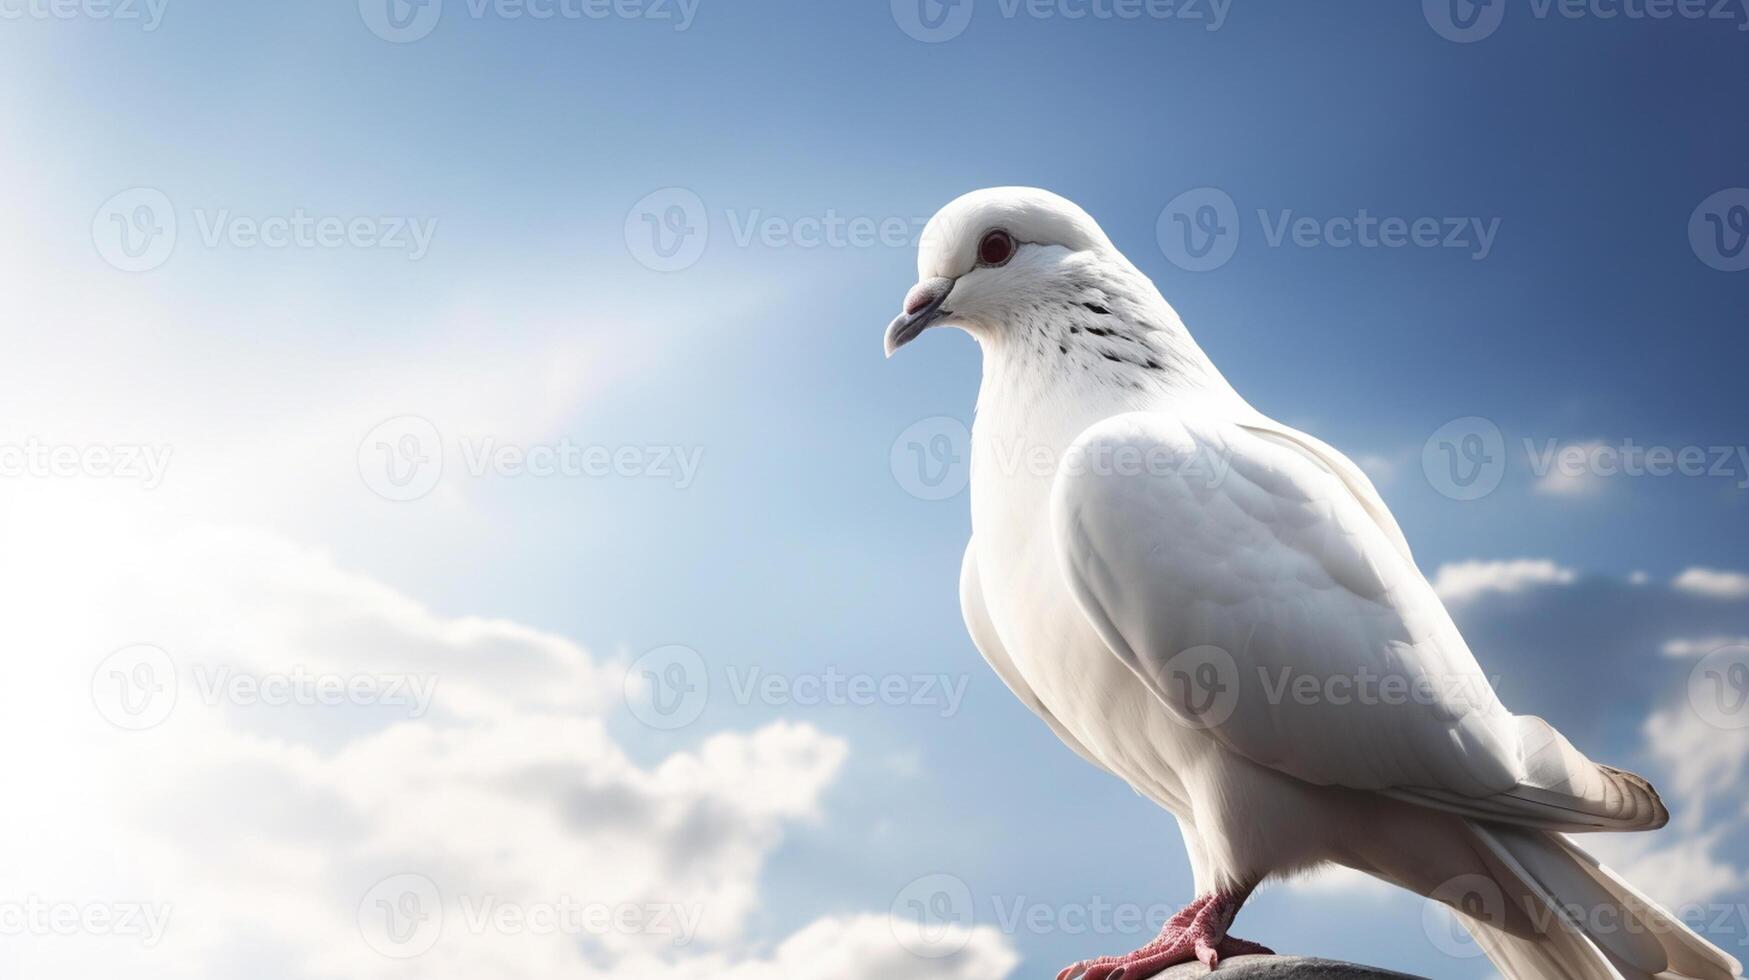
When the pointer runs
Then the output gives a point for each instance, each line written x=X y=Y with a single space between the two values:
x=1052 y=369
x=1042 y=391
x=1062 y=369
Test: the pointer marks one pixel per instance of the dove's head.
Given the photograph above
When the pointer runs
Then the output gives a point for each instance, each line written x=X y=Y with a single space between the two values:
x=993 y=254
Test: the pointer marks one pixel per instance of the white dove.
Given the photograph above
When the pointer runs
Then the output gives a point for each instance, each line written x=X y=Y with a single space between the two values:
x=1221 y=611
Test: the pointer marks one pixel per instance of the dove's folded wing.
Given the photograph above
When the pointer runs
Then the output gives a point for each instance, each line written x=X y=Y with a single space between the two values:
x=1248 y=580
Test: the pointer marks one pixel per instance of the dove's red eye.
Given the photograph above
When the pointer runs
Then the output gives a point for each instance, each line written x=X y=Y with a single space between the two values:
x=996 y=248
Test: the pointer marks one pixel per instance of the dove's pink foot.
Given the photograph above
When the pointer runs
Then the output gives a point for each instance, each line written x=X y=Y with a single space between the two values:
x=1198 y=932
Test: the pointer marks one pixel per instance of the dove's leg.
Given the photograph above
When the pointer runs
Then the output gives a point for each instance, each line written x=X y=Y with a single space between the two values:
x=1198 y=932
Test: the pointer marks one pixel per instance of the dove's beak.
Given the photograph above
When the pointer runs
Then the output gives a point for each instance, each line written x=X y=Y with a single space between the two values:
x=922 y=310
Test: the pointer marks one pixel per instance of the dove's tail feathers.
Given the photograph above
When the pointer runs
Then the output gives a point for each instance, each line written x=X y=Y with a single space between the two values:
x=1562 y=790
x=1549 y=911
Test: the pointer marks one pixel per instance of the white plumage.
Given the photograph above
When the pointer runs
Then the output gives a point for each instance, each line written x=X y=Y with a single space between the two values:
x=1221 y=611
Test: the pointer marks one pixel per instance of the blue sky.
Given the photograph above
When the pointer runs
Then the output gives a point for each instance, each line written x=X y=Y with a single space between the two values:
x=530 y=151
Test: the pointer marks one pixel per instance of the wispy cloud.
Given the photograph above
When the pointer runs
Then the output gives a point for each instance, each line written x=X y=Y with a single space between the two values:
x=1713 y=583
x=1466 y=580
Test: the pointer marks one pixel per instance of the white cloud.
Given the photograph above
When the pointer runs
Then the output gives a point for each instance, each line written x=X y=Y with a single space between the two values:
x=1700 y=757
x=1680 y=865
x=1676 y=869
x=1713 y=583
x=264 y=827
x=1466 y=580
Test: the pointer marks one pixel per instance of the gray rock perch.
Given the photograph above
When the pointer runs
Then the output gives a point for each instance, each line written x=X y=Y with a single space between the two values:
x=1281 y=968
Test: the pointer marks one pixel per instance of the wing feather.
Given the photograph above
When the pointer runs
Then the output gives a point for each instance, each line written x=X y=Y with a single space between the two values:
x=1253 y=579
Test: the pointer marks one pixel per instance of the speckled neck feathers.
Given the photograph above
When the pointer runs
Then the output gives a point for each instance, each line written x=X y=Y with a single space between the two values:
x=1095 y=332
